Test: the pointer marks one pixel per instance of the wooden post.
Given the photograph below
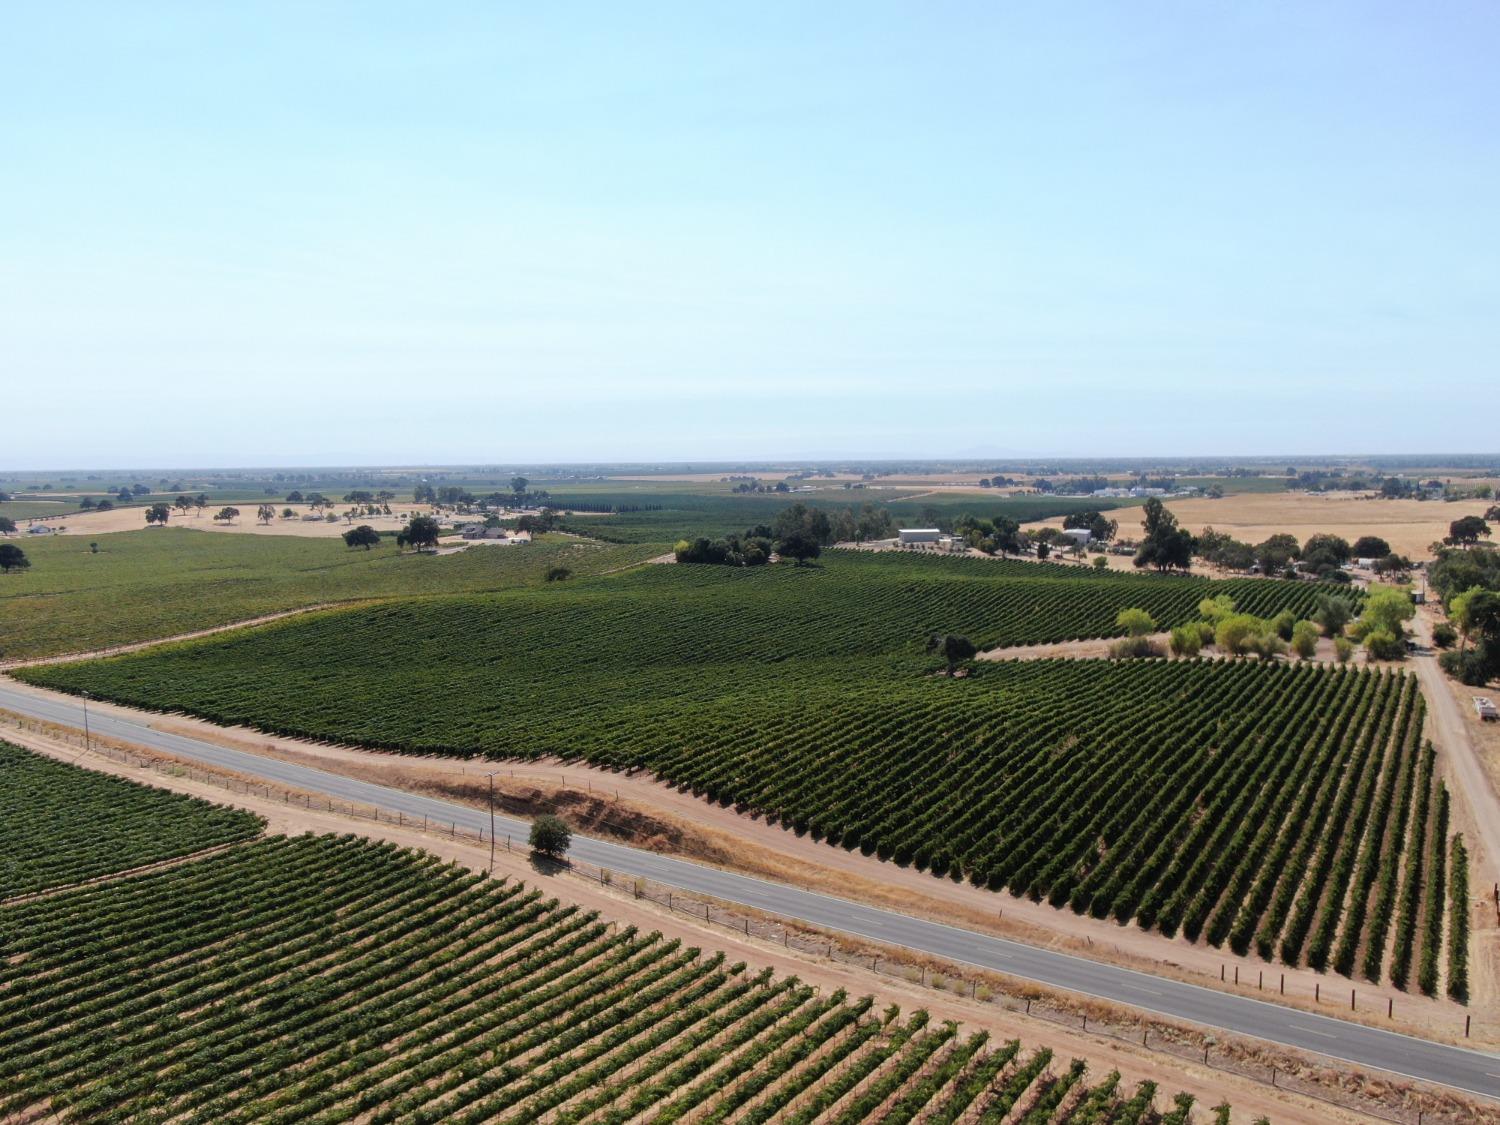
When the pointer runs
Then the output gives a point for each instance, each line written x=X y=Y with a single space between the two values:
x=1390 y=1006
x=1261 y=982
x=1351 y=999
x=1317 y=992
x=1283 y=984
x=1467 y=1018
x=1221 y=970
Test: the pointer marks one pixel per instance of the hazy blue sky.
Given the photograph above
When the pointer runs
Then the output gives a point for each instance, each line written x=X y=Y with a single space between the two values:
x=329 y=233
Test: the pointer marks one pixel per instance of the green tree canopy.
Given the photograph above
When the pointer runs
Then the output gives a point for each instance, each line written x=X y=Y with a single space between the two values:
x=551 y=836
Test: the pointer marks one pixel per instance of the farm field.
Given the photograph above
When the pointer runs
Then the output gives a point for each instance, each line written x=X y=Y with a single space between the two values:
x=1237 y=802
x=323 y=978
x=148 y=584
x=653 y=513
x=1408 y=525
x=61 y=825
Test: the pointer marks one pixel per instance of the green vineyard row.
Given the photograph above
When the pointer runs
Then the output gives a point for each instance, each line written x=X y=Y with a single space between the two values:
x=61 y=825
x=330 y=980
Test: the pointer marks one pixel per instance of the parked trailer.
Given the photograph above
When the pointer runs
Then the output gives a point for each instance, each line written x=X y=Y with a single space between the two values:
x=1486 y=709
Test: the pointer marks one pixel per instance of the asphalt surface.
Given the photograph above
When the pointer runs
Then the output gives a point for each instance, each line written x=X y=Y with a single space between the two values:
x=1471 y=1071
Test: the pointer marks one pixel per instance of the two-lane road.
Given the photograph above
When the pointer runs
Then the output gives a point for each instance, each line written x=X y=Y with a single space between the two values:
x=1471 y=1071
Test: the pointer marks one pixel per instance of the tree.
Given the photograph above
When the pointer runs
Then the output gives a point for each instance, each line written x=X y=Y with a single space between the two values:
x=422 y=532
x=200 y=502
x=294 y=497
x=1043 y=549
x=288 y=514
x=800 y=546
x=227 y=514
x=1467 y=531
x=1493 y=513
x=518 y=485
x=105 y=506
x=362 y=536
x=7 y=526
x=1305 y=639
x=1098 y=527
x=1277 y=553
x=1322 y=554
x=1370 y=547
x=1165 y=545
x=551 y=836
x=1101 y=563
x=265 y=513
x=1136 y=622
x=1332 y=614
x=1343 y=649
x=1386 y=610
x=1238 y=633
x=12 y=558
x=558 y=574
x=158 y=513
x=954 y=649
x=182 y=504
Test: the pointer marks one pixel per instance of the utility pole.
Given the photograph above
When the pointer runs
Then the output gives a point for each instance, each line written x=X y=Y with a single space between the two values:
x=85 y=722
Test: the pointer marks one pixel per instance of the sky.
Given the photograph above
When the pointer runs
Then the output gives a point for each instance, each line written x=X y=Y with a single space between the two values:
x=324 y=233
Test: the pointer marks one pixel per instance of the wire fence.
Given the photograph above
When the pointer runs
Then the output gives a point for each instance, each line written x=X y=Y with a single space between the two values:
x=911 y=966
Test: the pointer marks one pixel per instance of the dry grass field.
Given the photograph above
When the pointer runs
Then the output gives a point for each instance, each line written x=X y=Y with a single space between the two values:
x=1408 y=525
x=134 y=518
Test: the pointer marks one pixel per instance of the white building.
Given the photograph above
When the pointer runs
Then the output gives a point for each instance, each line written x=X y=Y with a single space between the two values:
x=910 y=535
x=1081 y=536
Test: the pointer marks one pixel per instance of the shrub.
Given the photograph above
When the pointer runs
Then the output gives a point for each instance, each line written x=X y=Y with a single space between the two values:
x=1283 y=623
x=1132 y=648
x=1136 y=622
x=1343 y=649
x=1444 y=635
x=1186 y=640
x=1304 y=639
x=1382 y=644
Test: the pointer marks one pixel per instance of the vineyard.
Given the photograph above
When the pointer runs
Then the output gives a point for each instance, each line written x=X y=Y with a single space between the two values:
x=148 y=584
x=1259 y=805
x=331 y=979
x=61 y=825
x=665 y=511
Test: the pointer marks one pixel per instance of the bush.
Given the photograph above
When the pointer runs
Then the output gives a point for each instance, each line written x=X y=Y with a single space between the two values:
x=1468 y=667
x=1136 y=622
x=1343 y=649
x=1444 y=635
x=1132 y=648
x=1283 y=623
x=1382 y=644
x=1304 y=639
x=558 y=574
x=1186 y=640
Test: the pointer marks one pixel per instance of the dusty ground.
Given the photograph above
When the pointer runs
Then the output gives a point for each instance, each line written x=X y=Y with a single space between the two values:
x=1249 y=1098
x=1408 y=525
x=1097 y=648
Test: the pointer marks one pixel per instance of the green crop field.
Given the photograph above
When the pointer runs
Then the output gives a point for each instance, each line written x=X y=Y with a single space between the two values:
x=323 y=979
x=147 y=584
x=658 y=513
x=1234 y=800
x=61 y=825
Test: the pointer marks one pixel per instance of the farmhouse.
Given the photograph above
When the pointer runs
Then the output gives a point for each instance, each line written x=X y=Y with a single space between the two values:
x=911 y=535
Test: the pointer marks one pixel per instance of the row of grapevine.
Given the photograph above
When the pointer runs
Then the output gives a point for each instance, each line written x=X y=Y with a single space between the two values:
x=333 y=979
x=61 y=825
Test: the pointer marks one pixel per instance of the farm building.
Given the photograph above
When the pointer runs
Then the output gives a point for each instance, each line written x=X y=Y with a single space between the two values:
x=1081 y=536
x=38 y=529
x=910 y=535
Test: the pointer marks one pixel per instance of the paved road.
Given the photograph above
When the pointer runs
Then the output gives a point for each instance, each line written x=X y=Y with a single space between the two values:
x=1472 y=1071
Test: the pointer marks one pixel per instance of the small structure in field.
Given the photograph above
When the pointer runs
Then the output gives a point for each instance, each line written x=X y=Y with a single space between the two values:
x=1079 y=536
x=1485 y=709
x=38 y=529
x=911 y=536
